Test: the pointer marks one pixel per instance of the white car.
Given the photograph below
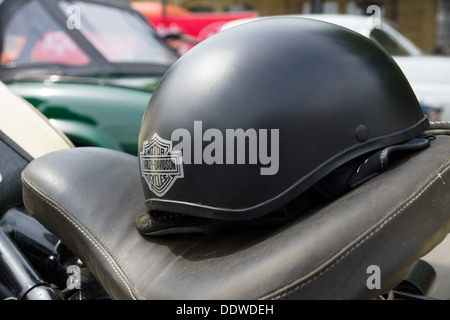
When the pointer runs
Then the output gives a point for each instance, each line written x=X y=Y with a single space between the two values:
x=429 y=75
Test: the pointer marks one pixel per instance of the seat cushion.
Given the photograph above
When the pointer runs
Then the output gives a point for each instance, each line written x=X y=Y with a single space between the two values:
x=90 y=197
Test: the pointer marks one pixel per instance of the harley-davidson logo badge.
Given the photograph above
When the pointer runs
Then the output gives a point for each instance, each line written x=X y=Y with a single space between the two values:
x=160 y=166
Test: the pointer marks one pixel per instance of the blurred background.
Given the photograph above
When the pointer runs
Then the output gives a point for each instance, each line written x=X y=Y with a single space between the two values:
x=425 y=22
x=91 y=66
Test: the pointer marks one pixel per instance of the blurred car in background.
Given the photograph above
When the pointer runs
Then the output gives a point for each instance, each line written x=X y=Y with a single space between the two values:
x=429 y=75
x=88 y=66
x=184 y=29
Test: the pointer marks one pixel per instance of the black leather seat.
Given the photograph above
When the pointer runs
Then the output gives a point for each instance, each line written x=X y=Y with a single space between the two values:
x=90 y=197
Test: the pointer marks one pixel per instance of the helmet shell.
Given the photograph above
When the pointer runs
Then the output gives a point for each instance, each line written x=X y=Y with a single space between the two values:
x=314 y=94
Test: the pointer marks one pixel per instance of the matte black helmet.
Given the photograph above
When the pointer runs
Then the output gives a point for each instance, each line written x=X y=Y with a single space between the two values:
x=254 y=116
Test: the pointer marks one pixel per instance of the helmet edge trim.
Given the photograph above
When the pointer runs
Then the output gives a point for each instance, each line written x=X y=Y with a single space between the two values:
x=296 y=189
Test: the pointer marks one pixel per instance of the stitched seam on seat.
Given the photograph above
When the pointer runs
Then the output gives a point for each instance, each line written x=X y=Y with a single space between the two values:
x=438 y=176
x=108 y=255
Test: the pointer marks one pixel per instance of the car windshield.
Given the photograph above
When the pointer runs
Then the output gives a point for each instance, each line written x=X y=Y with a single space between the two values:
x=394 y=42
x=117 y=34
x=34 y=36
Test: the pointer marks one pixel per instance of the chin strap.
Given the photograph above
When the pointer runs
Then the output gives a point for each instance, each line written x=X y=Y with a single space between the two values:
x=162 y=223
x=362 y=169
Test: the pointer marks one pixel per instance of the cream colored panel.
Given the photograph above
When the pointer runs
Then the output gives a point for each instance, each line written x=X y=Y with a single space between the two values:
x=27 y=127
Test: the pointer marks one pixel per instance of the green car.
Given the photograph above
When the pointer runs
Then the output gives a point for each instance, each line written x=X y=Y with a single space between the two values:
x=88 y=66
